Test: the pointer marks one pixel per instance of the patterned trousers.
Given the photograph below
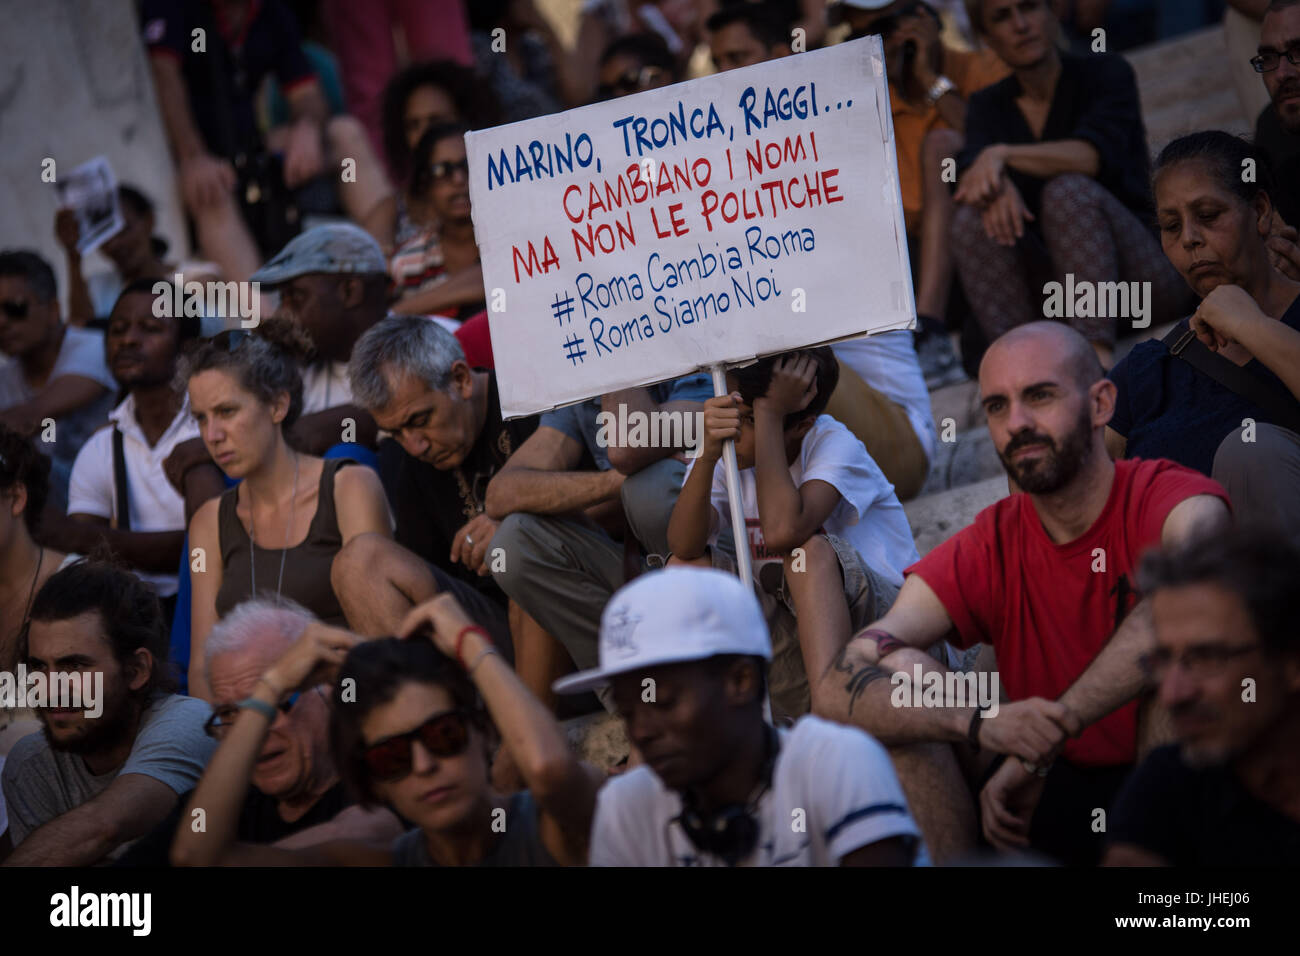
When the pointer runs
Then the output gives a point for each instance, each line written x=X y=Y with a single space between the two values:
x=1082 y=230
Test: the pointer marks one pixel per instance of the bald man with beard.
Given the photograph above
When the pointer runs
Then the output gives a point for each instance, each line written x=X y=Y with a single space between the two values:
x=1046 y=577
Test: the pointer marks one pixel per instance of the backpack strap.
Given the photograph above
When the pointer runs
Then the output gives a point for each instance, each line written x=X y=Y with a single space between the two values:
x=1281 y=406
x=123 y=522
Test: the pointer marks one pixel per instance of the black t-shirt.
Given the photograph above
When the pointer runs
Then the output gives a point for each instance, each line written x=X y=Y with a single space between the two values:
x=1165 y=408
x=259 y=822
x=1192 y=817
x=1096 y=100
x=224 y=78
x=1282 y=150
x=430 y=506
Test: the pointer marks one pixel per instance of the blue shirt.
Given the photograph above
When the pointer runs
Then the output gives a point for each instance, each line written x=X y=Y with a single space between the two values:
x=1168 y=409
x=579 y=421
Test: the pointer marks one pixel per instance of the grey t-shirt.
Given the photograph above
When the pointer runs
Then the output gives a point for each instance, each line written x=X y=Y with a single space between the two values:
x=520 y=843
x=170 y=746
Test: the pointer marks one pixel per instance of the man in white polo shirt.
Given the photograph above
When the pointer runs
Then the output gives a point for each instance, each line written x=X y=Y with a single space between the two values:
x=149 y=535
x=685 y=651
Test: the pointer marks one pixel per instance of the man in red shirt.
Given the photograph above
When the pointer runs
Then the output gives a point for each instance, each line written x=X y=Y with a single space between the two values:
x=1046 y=577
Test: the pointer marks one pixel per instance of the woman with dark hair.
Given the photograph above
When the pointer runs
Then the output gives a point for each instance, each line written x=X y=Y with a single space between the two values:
x=283 y=524
x=135 y=252
x=1052 y=184
x=416 y=99
x=1221 y=393
x=410 y=732
x=25 y=565
x=438 y=271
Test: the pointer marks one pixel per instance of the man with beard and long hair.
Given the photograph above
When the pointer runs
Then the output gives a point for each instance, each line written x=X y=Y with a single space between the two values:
x=1046 y=577
x=1228 y=792
x=97 y=778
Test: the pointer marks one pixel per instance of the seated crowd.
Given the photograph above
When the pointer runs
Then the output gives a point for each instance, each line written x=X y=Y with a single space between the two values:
x=324 y=605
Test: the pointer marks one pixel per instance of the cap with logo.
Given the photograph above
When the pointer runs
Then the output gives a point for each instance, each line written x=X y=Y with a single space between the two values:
x=670 y=617
x=336 y=247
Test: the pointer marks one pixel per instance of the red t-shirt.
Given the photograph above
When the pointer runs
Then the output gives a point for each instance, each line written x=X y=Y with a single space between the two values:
x=1048 y=608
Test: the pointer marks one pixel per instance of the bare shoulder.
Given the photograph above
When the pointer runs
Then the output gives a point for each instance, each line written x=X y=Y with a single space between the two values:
x=357 y=482
x=204 y=521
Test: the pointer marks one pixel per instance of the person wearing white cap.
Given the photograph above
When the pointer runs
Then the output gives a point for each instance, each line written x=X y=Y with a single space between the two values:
x=685 y=652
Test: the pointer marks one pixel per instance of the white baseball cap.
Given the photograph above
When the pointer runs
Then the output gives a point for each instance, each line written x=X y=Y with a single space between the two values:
x=672 y=616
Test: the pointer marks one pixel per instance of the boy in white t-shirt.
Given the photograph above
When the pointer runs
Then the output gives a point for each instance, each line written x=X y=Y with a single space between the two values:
x=827 y=535
x=684 y=652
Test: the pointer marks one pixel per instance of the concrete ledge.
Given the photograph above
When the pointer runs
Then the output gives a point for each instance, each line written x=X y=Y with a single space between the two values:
x=935 y=518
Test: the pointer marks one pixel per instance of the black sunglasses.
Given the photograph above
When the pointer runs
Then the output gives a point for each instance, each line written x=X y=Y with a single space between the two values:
x=1270 y=61
x=222 y=720
x=632 y=81
x=443 y=735
x=445 y=169
x=15 y=309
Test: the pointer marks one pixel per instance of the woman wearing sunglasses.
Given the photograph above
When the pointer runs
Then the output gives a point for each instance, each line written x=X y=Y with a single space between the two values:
x=409 y=732
x=281 y=527
x=438 y=269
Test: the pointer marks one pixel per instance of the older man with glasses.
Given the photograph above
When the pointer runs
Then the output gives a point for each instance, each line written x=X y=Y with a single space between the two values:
x=293 y=789
x=1226 y=665
x=1277 y=131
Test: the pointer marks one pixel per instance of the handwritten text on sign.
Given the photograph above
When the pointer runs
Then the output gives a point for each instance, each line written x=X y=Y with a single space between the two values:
x=712 y=221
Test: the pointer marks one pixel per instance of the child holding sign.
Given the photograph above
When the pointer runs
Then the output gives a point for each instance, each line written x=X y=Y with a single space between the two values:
x=827 y=535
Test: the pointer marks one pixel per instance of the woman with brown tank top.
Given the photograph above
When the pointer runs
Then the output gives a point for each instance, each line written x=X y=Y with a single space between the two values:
x=276 y=532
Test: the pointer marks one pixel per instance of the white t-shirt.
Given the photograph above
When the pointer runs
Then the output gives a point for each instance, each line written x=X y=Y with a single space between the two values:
x=153 y=503
x=325 y=385
x=868 y=514
x=888 y=363
x=833 y=791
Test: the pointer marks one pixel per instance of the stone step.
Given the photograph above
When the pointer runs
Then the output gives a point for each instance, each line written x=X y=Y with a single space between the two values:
x=599 y=738
x=937 y=517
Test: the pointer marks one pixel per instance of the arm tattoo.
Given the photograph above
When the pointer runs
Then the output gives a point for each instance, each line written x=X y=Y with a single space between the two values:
x=859 y=675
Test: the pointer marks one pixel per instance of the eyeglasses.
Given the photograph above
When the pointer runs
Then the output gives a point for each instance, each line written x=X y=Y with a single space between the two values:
x=1199 y=662
x=1270 y=61
x=15 y=309
x=447 y=168
x=632 y=81
x=219 y=724
x=443 y=735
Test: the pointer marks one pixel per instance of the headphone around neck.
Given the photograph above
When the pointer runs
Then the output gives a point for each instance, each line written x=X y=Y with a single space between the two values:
x=730 y=832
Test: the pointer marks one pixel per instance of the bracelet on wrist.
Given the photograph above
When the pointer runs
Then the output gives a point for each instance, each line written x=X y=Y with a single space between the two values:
x=460 y=641
x=483 y=655
x=268 y=711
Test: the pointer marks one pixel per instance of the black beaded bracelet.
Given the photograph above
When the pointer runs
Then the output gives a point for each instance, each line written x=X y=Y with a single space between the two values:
x=973 y=733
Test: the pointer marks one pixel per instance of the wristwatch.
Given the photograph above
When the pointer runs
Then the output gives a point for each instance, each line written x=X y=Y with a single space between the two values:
x=941 y=87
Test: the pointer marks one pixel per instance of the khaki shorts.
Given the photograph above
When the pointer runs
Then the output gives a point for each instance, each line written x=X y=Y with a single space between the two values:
x=868 y=594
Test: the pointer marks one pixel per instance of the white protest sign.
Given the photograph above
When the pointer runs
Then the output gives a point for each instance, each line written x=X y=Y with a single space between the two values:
x=709 y=222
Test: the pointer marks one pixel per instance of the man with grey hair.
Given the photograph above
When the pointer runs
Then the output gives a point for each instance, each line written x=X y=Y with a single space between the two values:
x=448 y=440
x=296 y=792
